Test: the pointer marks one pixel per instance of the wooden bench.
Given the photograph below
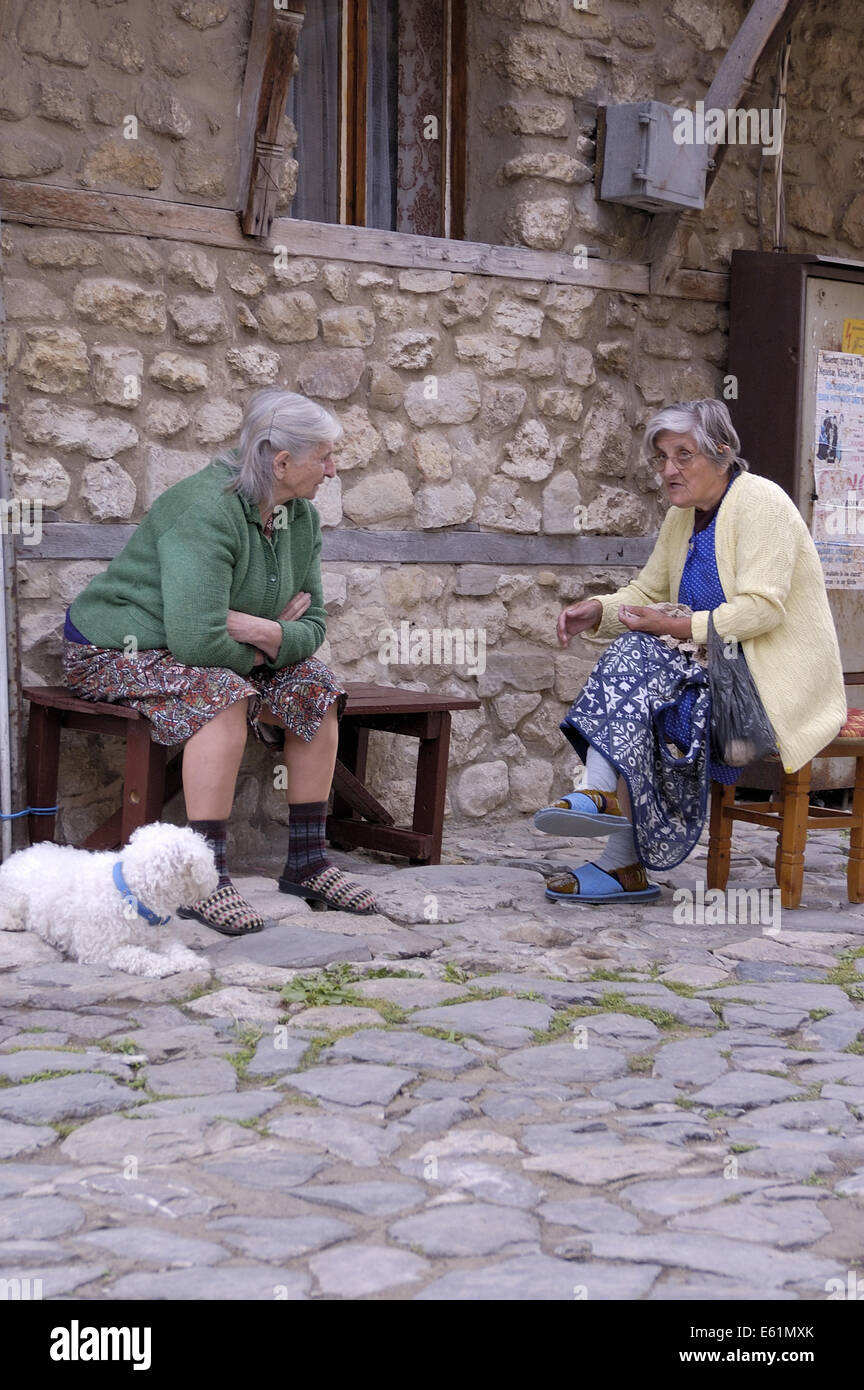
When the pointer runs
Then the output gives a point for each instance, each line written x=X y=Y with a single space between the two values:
x=790 y=813
x=150 y=779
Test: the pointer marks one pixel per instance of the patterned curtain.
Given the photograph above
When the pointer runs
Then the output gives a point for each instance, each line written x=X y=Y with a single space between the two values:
x=421 y=96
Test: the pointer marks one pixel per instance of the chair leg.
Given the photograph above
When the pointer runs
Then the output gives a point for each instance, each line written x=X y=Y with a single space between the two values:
x=793 y=835
x=143 y=780
x=43 y=761
x=720 y=834
x=855 y=870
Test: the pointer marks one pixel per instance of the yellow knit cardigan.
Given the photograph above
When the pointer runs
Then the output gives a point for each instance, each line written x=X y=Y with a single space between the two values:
x=777 y=608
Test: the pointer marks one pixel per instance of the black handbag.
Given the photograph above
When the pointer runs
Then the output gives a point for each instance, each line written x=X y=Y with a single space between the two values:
x=741 y=731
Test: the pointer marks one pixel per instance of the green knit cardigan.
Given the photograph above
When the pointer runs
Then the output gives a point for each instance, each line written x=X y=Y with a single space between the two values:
x=200 y=551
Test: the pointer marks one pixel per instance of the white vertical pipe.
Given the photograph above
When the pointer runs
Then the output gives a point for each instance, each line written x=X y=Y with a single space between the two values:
x=6 y=545
x=5 y=729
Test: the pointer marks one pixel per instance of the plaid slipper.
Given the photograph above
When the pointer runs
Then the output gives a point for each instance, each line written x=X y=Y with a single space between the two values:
x=225 y=911
x=330 y=887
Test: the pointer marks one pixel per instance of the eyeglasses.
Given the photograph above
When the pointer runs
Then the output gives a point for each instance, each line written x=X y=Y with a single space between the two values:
x=682 y=458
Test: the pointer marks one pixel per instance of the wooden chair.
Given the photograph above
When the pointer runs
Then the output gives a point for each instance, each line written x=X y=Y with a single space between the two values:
x=790 y=813
x=150 y=779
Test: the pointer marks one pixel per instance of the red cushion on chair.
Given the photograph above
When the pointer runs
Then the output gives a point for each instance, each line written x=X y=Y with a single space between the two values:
x=854 y=726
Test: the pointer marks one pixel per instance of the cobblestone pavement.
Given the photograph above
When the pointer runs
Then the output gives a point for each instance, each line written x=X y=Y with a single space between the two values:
x=483 y=1096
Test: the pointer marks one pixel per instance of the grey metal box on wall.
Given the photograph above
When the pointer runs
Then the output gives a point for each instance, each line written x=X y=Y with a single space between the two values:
x=643 y=164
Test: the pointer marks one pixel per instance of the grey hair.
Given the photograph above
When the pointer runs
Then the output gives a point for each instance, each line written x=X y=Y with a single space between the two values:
x=710 y=424
x=274 y=422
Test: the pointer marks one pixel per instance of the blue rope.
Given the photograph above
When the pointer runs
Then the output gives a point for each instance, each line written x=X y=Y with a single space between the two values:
x=31 y=811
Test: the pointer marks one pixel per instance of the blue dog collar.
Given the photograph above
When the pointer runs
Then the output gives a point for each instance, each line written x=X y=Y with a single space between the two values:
x=145 y=912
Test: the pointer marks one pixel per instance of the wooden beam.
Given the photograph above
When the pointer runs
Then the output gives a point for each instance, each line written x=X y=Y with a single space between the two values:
x=358 y=796
x=761 y=31
x=754 y=44
x=81 y=540
x=256 y=55
x=388 y=839
x=77 y=209
x=281 y=31
x=454 y=189
x=353 y=88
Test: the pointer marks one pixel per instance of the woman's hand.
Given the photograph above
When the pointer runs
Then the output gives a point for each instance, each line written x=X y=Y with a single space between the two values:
x=577 y=618
x=296 y=607
x=264 y=633
x=640 y=619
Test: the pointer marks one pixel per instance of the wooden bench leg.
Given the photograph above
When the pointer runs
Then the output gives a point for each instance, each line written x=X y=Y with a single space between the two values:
x=855 y=869
x=143 y=780
x=353 y=750
x=431 y=787
x=720 y=835
x=43 y=761
x=793 y=835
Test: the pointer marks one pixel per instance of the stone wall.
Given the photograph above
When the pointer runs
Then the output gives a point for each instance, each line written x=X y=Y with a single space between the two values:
x=540 y=68
x=541 y=390
x=75 y=72
x=540 y=387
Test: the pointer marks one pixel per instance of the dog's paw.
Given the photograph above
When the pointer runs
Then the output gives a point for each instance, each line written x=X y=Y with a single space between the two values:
x=13 y=913
x=181 y=958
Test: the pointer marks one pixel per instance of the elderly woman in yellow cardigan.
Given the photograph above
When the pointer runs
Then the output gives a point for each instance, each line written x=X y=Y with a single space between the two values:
x=733 y=547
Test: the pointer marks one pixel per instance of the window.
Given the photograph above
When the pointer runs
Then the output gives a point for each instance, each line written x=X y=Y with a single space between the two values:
x=378 y=101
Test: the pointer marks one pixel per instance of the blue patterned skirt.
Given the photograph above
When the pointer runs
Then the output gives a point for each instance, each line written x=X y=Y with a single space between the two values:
x=639 y=691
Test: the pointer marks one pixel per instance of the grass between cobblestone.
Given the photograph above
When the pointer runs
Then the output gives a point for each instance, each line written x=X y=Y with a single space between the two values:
x=640 y=1062
x=249 y=1039
x=198 y=992
x=610 y=1003
x=6 y=1082
x=846 y=976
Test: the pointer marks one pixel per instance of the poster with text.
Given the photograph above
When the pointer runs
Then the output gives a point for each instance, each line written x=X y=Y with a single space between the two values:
x=838 y=468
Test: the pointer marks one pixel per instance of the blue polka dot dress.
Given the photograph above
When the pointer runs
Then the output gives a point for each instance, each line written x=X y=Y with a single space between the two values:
x=701 y=589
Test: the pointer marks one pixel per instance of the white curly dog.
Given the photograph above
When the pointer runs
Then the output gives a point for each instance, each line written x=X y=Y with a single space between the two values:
x=110 y=909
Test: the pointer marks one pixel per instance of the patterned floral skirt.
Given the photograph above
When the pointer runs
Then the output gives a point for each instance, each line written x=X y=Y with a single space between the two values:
x=178 y=700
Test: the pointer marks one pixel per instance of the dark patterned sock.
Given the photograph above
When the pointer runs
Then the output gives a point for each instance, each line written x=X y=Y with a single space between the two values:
x=215 y=833
x=307 y=851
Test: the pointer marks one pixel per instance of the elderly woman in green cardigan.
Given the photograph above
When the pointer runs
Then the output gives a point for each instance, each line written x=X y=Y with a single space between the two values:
x=207 y=622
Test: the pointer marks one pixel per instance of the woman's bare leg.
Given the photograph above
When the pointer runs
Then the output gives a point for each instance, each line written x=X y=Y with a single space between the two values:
x=624 y=799
x=309 y=766
x=211 y=761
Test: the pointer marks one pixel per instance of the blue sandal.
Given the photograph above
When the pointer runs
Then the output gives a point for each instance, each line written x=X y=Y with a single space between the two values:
x=591 y=884
x=583 y=813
